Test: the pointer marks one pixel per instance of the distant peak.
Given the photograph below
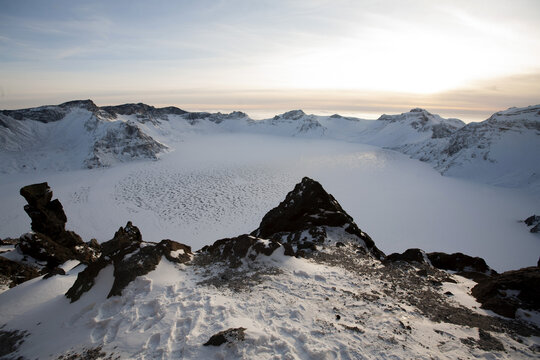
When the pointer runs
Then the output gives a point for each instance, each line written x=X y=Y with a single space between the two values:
x=292 y=115
x=83 y=104
x=419 y=110
x=238 y=114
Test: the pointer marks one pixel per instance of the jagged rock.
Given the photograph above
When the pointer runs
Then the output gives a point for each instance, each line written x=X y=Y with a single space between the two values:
x=47 y=216
x=305 y=215
x=175 y=251
x=44 y=114
x=42 y=248
x=124 y=241
x=83 y=104
x=143 y=112
x=51 y=242
x=487 y=342
x=52 y=272
x=144 y=260
x=227 y=336
x=13 y=273
x=474 y=268
x=409 y=255
x=534 y=221
x=93 y=243
x=234 y=250
x=10 y=341
x=507 y=292
x=126 y=141
x=131 y=257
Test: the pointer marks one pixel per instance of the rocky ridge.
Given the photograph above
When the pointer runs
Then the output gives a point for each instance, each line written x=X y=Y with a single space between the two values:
x=310 y=225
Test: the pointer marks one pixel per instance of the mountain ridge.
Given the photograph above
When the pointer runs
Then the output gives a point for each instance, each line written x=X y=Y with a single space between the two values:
x=104 y=136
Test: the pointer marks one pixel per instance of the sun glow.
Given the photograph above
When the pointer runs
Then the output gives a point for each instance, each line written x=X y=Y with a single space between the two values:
x=398 y=58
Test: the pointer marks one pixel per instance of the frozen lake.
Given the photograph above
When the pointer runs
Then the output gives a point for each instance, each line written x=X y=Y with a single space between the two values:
x=215 y=186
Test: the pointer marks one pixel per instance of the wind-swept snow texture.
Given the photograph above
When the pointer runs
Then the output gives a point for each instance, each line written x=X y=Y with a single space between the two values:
x=296 y=309
x=218 y=174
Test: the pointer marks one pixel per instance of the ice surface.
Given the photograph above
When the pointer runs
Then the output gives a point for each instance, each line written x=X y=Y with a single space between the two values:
x=221 y=185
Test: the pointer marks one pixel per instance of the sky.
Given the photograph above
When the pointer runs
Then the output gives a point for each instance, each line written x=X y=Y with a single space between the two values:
x=464 y=59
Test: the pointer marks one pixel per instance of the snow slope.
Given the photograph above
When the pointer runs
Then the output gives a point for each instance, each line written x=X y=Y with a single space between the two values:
x=502 y=150
x=291 y=308
x=79 y=135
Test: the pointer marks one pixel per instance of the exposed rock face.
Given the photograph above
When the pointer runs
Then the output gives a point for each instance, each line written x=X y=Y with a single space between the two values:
x=465 y=265
x=424 y=121
x=125 y=142
x=534 y=221
x=409 y=255
x=44 y=249
x=143 y=112
x=131 y=257
x=51 y=242
x=13 y=273
x=47 y=216
x=227 y=336
x=299 y=122
x=234 y=250
x=474 y=268
x=306 y=215
x=507 y=292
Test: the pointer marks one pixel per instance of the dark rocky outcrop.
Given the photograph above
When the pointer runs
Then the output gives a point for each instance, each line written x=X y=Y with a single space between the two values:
x=234 y=250
x=474 y=268
x=131 y=257
x=47 y=215
x=82 y=104
x=142 y=111
x=53 y=272
x=227 y=336
x=507 y=292
x=409 y=256
x=50 y=113
x=10 y=341
x=534 y=221
x=485 y=342
x=50 y=242
x=126 y=141
x=305 y=216
x=13 y=273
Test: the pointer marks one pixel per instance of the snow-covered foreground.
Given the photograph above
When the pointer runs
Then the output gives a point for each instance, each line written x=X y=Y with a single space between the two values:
x=291 y=309
x=215 y=186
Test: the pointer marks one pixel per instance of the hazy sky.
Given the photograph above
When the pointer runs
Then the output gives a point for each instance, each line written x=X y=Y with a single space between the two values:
x=458 y=58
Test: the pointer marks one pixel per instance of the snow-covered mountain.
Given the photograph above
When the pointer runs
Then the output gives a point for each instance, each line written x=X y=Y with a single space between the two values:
x=500 y=150
x=308 y=283
x=69 y=136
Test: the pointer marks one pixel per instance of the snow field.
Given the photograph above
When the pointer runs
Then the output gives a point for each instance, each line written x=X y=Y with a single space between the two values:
x=217 y=186
x=306 y=310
